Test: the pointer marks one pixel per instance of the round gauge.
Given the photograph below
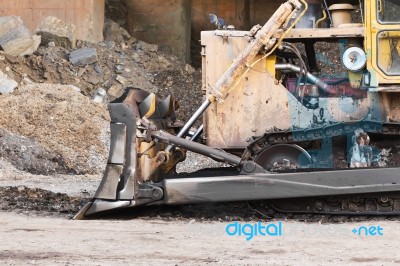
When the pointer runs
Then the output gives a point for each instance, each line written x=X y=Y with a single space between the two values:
x=354 y=59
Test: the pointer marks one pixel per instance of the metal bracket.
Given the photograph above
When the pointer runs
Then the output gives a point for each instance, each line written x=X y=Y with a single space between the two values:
x=147 y=191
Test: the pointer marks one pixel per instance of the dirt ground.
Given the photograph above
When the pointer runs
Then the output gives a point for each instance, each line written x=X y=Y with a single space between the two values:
x=32 y=240
x=53 y=148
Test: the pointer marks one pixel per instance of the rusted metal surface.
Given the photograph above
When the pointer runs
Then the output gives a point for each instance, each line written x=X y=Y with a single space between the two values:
x=345 y=32
x=257 y=103
x=263 y=37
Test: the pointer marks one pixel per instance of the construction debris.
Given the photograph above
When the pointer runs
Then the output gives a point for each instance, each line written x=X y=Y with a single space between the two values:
x=15 y=38
x=53 y=29
x=7 y=85
x=114 y=32
x=83 y=56
x=22 y=46
x=12 y=28
x=115 y=92
x=147 y=47
x=68 y=132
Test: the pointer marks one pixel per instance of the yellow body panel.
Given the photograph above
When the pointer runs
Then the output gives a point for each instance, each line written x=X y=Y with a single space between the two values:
x=382 y=40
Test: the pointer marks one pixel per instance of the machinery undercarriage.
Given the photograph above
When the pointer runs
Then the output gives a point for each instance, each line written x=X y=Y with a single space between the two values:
x=318 y=163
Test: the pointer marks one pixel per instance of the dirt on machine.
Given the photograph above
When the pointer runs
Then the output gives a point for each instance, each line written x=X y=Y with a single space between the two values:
x=306 y=140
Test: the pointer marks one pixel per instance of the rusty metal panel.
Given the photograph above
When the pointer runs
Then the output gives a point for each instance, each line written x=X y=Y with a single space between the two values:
x=87 y=15
x=256 y=103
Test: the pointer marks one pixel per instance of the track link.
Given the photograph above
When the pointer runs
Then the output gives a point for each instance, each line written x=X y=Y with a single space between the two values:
x=350 y=205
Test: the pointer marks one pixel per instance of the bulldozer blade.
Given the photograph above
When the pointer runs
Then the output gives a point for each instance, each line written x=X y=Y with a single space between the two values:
x=164 y=108
x=118 y=181
x=148 y=107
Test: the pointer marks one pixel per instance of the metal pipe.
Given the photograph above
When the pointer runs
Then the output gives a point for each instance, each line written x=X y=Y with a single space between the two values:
x=218 y=155
x=197 y=134
x=329 y=13
x=264 y=36
x=191 y=121
x=310 y=77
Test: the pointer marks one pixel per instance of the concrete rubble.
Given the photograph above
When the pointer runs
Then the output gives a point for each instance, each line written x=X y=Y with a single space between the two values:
x=22 y=46
x=7 y=85
x=68 y=132
x=53 y=29
x=83 y=56
x=15 y=38
x=53 y=103
x=12 y=28
x=114 y=32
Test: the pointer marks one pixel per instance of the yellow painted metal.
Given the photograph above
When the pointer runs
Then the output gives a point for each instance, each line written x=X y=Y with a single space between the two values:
x=152 y=108
x=379 y=40
x=270 y=65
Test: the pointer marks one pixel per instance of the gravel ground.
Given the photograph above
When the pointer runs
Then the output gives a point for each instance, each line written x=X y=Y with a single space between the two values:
x=31 y=240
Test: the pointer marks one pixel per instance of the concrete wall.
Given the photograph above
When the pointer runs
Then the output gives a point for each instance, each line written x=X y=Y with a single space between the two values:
x=166 y=23
x=243 y=14
x=87 y=15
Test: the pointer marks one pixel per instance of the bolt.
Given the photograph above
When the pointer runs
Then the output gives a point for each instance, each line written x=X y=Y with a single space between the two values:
x=156 y=193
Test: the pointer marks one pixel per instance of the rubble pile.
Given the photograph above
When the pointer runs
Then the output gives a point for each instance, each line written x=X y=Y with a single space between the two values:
x=15 y=38
x=118 y=62
x=53 y=99
x=54 y=122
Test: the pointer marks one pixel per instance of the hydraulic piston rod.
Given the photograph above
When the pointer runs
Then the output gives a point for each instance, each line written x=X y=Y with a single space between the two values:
x=263 y=38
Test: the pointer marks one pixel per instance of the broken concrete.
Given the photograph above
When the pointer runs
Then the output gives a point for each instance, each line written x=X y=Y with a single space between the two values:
x=22 y=46
x=114 y=32
x=12 y=28
x=83 y=56
x=99 y=96
x=70 y=131
x=7 y=85
x=147 y=47
x=115 y=91
x=53 y=29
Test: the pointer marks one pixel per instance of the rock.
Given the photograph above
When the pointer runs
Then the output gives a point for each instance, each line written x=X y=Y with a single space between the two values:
x=64 y=122
x=121 y=79
x=115 y=91
x=114 y=32
x=97 y=68
x=7 y=85
x=99 y=96
x=75 y=88
x=93 y=78
x=12 y=28
x=147 y=47
x=53 y=29
x=51 y=44
x=83 y=56
x=15 y=38
x=81 y=71
x=189 y=69
x=22 y=46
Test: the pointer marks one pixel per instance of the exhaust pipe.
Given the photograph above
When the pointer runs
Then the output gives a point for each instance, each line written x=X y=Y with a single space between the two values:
x=310 y=77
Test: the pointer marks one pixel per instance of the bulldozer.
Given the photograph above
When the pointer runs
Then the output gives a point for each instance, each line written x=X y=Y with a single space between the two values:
x=304 y=140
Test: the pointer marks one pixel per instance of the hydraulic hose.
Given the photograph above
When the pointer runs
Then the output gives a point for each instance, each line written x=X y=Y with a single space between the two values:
x=310 y=77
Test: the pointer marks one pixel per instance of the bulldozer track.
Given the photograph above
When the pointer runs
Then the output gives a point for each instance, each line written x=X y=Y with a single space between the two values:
x=351 y=205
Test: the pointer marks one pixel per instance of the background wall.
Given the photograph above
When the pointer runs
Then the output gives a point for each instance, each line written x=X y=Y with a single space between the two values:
x=86 y=15
x=166 y=23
